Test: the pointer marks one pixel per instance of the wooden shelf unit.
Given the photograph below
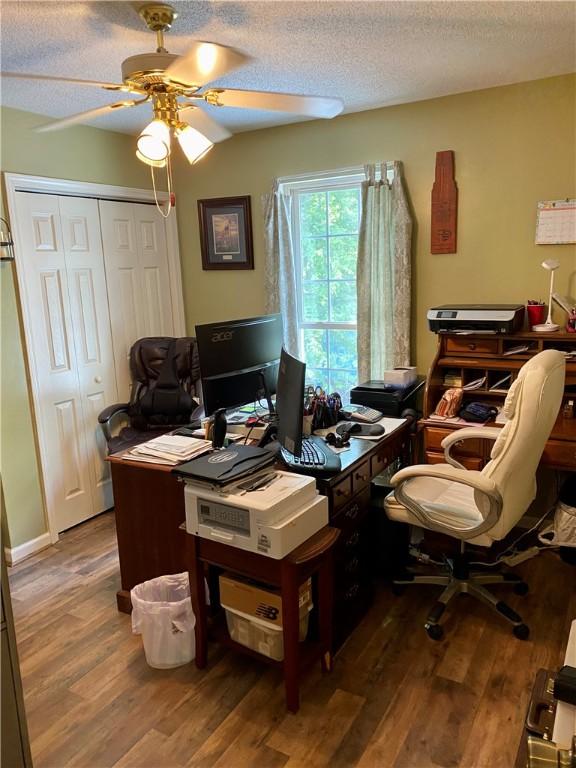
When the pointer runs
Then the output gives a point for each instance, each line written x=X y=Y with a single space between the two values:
x=483 y=355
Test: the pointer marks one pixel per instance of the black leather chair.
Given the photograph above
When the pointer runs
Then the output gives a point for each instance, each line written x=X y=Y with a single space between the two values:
x=147 y=358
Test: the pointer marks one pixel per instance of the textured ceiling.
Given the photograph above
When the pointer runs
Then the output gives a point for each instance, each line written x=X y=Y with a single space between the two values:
x=370 y=54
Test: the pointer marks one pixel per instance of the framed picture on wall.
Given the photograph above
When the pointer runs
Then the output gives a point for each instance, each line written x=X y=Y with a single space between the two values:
x=226 y=233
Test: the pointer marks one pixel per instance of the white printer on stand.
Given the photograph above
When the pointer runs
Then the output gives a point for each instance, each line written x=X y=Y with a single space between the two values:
x=272 y=520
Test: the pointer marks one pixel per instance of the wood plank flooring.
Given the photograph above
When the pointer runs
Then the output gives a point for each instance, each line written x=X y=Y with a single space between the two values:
x=394 y=700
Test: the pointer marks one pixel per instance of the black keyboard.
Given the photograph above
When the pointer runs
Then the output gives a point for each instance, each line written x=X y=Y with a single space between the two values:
x=316 y=458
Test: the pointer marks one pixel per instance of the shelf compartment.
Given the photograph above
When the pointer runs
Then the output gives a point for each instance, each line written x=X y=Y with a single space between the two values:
x=499 y=380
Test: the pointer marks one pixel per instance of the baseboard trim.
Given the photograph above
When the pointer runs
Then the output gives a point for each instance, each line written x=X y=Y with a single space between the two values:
x=22 y=551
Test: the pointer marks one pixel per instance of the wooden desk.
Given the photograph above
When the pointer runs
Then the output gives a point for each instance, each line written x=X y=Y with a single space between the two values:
x=476 y=356
x=149 y=508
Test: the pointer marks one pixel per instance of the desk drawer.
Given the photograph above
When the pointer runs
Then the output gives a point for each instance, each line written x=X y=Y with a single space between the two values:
x=349 y=516
x=472 y=346
x=433 y=439
x=379 y=462
x=341 y=493
x=470 y=462
x=558 y=453
x=361 y=477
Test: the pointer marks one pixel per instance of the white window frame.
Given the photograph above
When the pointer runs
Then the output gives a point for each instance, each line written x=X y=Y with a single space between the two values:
x=344 y=178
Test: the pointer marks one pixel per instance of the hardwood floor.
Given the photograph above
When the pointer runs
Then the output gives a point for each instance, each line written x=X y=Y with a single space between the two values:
x=394 y=700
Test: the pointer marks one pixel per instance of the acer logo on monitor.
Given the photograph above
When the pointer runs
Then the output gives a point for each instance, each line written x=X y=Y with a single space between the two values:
x=222 y=335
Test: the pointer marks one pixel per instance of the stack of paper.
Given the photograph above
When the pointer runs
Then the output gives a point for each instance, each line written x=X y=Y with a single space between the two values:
x=169 y=449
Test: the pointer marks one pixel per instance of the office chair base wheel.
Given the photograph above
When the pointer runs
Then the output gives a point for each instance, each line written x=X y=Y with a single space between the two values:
x=435 y=631
x=521 y=631
x=521 y=588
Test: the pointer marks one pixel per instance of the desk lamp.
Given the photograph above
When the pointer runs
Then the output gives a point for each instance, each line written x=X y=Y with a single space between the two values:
x=551 y=265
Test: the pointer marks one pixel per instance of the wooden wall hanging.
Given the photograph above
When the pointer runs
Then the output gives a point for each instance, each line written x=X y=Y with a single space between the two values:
x=444 y=205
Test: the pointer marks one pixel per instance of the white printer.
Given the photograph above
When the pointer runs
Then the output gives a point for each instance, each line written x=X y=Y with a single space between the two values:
x=478 y=318
x=272 y=520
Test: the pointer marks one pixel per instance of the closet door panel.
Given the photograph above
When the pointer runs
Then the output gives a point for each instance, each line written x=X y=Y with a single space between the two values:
x=92 y=334
x=136 y=261
x=45 y=295
x=124 y=285
x=151 y=241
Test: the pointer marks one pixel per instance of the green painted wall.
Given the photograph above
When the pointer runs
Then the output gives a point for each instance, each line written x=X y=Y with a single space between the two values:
x=80 y=154
x=513 y=145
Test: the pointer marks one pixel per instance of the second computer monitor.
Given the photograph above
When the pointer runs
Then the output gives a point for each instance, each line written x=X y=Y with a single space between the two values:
x=290 y=402
x=239 y=361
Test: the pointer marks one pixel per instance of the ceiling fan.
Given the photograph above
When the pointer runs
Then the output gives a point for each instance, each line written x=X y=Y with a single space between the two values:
x=176 y=86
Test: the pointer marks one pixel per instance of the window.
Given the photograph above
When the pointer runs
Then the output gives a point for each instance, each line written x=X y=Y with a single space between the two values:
x=326 y=220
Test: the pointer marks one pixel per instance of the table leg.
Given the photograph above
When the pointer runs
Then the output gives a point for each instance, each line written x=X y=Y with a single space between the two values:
x=198 y=596
x=325 y=601
x=290 y=631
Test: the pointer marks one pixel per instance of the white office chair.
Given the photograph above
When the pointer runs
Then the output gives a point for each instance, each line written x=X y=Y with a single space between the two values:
x=482 y=507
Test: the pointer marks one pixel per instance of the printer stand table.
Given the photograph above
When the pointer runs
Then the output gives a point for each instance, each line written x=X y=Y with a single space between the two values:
x=313 y=557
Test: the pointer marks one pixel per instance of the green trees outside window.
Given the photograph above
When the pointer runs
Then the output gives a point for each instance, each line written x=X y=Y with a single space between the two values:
x=328 y=244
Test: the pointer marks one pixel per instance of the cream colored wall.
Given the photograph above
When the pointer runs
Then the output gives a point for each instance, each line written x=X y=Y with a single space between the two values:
x=80 y=154
x=513 y=146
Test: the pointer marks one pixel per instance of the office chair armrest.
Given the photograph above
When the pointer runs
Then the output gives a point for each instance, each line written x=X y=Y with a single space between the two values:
x=106 y=416
x=472 y=478
x=466 y=433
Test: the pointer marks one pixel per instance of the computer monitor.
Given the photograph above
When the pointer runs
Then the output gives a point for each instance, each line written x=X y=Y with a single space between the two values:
x=290 y=402
x=239 y=361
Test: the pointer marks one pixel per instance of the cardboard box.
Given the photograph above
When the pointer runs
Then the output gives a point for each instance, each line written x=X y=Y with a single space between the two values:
x=255 y=600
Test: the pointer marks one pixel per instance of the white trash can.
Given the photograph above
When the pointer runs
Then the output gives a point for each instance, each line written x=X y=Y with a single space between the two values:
x=162 y=614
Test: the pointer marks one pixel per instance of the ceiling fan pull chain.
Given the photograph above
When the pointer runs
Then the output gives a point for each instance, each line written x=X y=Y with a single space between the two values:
x=169 y=201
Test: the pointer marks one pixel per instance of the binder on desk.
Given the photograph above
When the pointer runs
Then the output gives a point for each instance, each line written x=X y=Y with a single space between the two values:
x=224 y=467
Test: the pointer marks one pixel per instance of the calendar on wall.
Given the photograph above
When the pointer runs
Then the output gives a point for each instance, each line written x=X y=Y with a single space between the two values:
x=556 y=222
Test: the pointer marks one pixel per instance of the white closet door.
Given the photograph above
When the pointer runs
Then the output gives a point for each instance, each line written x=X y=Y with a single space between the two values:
x=59 y=416
x=137 y=276
x=153 y=258
x=92 y=336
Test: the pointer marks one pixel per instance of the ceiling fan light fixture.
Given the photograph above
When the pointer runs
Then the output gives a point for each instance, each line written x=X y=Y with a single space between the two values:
x=193 y=143
x=154 y=143
x=153 y=163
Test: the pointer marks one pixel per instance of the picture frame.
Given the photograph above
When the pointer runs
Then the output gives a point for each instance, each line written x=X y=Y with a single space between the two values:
x=226 y=233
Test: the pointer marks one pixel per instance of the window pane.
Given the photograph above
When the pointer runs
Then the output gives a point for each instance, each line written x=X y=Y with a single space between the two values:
x=315 y=348
x=314 y=301
x=313 y=214
x=343 y=257
x=343 y=302
x=343 y=206
x=314 y=258
x=342 y=382
x=317 y=377
x=342 y=345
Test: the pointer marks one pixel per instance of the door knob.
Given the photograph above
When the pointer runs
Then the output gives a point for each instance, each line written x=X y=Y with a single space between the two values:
x=97 y=379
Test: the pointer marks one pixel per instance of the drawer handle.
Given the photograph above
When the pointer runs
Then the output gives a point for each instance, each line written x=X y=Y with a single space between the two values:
x=358 y=476
x=340 y=492
x=352 y=512
x=471 y=345
x=353 y=540
x=351 y=593
x=352 y=565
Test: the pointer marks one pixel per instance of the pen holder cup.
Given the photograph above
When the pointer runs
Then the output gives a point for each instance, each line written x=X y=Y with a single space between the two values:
x=536 y=314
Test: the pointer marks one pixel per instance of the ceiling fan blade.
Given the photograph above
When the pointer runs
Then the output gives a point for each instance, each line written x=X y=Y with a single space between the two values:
x=314 y=106
x=204 y=62
x=51 y=78
x=205 y=124
x=56 y=125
